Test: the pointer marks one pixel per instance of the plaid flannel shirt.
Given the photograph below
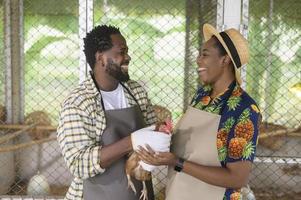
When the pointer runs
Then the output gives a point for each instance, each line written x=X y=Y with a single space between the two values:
x=81 y=124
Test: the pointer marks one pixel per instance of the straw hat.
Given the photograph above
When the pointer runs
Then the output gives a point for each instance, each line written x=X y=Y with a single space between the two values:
x=234 y=43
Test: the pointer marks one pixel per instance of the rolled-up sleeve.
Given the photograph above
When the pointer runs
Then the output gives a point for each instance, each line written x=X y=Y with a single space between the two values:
x=80 y=150
x=243 y=138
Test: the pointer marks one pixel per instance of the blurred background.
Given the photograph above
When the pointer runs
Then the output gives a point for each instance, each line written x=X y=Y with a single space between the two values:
x=41 y=60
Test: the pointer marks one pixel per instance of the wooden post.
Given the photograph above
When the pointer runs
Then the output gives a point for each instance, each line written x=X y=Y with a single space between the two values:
x=14 y=76
x=187 y=64
x=14 y=54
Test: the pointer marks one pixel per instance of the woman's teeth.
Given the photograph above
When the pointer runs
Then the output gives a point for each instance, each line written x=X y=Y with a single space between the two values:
x=201 y=69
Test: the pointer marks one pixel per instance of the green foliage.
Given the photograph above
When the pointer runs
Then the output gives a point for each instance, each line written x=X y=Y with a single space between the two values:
x=287 y=11
x=39 y=45
x=67 y=24
x=146 y=7
x=51 y=7
x=133 y=26
x=267 y=73
x=133 y=18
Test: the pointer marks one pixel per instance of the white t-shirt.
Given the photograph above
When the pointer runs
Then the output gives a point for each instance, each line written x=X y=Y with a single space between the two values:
x=114 y=99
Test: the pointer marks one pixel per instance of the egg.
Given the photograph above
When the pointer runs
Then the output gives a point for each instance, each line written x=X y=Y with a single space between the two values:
x=38 y=186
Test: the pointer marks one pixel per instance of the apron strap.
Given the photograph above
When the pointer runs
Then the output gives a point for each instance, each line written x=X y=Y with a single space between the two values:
x=101 y=100
x=128 y=90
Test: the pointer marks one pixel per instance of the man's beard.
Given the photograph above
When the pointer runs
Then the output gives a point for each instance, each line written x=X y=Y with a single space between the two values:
x=114 y=70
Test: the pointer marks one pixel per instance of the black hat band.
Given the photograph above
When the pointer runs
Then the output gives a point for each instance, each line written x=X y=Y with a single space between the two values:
x=231 y=48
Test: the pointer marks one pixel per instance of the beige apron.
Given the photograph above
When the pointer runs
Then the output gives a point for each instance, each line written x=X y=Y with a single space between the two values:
x=194 y=139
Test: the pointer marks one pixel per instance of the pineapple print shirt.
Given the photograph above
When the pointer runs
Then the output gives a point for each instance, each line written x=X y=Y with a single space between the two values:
x=238 y=128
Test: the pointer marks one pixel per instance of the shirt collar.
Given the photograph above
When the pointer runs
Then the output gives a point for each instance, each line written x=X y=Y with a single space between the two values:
x=224 y=96
x=205 y=90
x=92 y=87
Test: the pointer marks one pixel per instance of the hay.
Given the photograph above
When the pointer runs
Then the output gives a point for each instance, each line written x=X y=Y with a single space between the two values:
x=40 y=118
x=58 y=190
x=275 y=194
x=25 y=145
x=274 y=142
x=272 y=136
x=2 y=114
x=6 y=138
x=294 y=170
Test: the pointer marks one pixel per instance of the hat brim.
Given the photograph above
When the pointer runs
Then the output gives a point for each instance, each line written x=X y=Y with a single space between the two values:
x=210 y=31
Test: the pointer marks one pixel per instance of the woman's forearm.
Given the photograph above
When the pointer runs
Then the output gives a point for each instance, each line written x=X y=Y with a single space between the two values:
x=235 y=176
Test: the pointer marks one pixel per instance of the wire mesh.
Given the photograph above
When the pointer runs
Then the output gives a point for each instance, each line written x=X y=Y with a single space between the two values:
x=2 y=59
x=274 y=38
x=163 y=39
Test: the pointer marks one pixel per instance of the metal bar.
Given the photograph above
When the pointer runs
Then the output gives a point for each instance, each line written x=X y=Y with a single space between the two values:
x=220 y=15
x=244 y=18
x=21 y=61
x=7 y=52
x=187 y=63
x=82 y=33
x=201 y=21
x=14 y=61
x=90 y=15
x=85 y=25
x=244 y=30
x=232 y=14
x=106 y=10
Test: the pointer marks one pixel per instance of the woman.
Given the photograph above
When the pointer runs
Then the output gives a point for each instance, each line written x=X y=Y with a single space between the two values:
x=214 y=144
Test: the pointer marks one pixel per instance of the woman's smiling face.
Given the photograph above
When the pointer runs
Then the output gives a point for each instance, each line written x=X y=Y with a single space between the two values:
x=210 y=62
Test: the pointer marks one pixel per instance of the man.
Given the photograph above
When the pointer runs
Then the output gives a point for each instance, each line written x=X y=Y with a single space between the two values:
x=219 y=147
x=97 y=120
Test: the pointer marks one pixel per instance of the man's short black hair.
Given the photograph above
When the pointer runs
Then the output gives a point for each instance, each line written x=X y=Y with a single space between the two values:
x=98 y=39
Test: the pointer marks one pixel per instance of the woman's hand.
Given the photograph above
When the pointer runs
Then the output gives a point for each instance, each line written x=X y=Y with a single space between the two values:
x=151 y=157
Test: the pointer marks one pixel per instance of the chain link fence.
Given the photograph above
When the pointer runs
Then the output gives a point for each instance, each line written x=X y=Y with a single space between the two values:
x=163 y=39
x=274 y=37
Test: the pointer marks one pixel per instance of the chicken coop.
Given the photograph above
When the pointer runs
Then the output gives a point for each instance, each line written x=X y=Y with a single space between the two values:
x=42 y=60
